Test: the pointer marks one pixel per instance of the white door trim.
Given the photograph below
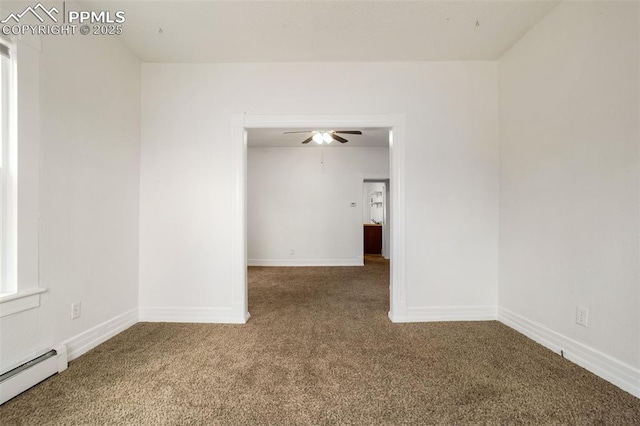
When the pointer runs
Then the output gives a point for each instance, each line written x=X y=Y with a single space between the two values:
x=394 y=122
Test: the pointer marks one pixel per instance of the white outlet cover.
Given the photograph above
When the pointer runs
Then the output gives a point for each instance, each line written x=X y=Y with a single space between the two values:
x=76 y=310
x=582 y=316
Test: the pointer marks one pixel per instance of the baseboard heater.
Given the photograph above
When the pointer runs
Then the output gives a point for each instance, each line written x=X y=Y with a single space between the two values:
x=29 y=374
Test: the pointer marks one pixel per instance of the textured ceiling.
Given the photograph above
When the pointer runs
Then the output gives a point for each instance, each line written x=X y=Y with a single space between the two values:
x=259 y=138
x=324 y=31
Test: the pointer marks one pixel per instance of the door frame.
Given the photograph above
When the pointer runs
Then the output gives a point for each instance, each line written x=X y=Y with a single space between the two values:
x=395 y=123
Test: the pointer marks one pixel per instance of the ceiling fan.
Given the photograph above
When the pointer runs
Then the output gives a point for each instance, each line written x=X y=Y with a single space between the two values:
x=326 y=136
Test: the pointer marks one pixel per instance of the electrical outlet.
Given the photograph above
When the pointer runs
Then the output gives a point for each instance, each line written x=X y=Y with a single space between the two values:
x=292 y=252
x=582 y=316
x=75 y=310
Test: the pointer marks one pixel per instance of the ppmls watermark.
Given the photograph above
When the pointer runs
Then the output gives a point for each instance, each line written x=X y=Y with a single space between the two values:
x=57 y=20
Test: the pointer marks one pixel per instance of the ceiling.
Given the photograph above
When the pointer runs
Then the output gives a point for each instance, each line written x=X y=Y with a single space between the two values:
x=260 y=138
x=324 y=31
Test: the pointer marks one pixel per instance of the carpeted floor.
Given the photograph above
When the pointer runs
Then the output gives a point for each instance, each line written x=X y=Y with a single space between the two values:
x=319 y=349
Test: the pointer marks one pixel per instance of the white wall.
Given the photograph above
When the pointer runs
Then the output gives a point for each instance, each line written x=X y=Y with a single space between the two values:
x=187 y=176
x=86 y=93
x=569 y=200
x=300 y=199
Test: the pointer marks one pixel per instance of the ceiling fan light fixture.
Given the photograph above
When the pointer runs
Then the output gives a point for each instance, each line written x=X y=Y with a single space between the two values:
x=317 y=137
x=325 y=136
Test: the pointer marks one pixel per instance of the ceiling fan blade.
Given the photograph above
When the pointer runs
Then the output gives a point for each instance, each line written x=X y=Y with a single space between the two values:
x=348 y=132
x=307 y=140
x=302 y=131
x=339 y=138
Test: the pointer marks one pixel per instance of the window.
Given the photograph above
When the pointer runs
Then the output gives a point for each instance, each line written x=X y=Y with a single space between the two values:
x=8 y=173
x=19 y=281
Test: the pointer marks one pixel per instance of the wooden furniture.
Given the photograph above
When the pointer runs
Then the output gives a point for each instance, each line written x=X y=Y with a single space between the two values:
x=372 y=239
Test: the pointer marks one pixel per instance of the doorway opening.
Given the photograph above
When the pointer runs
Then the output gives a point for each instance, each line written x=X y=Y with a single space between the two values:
x=392 y=123
x=376 y=218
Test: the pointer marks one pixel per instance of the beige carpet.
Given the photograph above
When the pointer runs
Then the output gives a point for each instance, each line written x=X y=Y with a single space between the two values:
x=319 y=349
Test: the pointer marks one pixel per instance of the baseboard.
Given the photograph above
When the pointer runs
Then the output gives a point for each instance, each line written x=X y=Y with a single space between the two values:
x=447 y=313
x=305 y=262
x=193 y=315
x=612 y=370
x=91 y=338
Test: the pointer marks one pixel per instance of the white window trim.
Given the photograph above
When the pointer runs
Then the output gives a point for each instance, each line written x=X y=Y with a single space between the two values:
x=21 y=301
x=20 y=296
x=8 y=191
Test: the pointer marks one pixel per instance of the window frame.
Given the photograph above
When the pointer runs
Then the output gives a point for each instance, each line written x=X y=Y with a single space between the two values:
x=15 y=296
x=8 y=170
